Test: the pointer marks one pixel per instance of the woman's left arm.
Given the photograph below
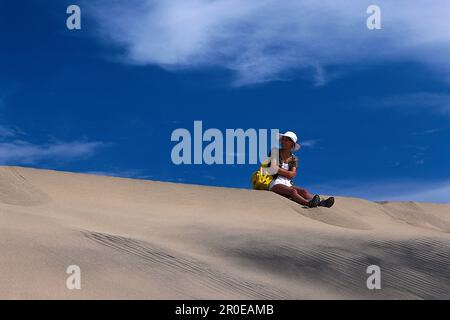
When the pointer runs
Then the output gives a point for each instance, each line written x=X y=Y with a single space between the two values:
x=290 y=174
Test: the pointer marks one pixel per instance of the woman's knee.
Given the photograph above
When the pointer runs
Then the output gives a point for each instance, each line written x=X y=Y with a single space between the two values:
x=293 y=192
x=301 y=190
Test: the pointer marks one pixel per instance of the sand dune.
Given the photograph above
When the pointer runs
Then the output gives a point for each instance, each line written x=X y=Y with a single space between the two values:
x=154 y=240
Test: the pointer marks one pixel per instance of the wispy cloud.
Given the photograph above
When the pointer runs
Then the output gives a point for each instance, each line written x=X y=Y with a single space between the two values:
x=15 y=149
x=265 y=40
x=122 y=173
x=437 y=193
x=416 y=147
x=6 y=132
x=427 y=132
x=23 y=152
x=309 y=143
x=423 y=191
x=439 y=102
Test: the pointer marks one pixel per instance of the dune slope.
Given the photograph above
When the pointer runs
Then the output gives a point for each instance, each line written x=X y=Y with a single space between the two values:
x=154 y=240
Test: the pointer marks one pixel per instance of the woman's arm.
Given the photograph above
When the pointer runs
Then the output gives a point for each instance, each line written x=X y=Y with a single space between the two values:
x=290 y=174
x=274 y=162
x=275 y=168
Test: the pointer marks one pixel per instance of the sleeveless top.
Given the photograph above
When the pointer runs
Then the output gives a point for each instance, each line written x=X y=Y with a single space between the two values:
x=292 y=162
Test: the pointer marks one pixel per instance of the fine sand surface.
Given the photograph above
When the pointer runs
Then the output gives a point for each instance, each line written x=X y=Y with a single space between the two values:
x=154 y=240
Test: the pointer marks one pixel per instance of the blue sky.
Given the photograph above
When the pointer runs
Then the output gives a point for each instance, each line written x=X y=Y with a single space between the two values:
x=371 y=107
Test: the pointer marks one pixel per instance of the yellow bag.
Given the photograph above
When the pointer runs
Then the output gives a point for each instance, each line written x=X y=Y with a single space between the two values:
x=261 y=180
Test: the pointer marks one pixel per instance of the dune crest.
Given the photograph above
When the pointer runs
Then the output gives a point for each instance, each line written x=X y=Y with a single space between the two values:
x=15 y=189
x=135 y=239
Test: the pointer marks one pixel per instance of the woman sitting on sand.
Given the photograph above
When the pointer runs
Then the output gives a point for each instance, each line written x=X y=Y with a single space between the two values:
x=285 y=166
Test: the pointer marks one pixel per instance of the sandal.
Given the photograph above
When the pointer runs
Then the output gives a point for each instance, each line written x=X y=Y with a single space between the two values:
x=314 y=202
x=328 y=203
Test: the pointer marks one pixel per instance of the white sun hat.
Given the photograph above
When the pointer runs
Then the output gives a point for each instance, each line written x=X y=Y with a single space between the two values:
x=293 y=137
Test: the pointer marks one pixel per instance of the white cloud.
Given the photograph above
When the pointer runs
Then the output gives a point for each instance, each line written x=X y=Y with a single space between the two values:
x=23 y=152
x=435 y=193
x=122 y=173
x=428 y=132
x=439 y=102
x=15 y=149
x=265 y=40
x=6 y=132
x=422 y=191
x=309 y=143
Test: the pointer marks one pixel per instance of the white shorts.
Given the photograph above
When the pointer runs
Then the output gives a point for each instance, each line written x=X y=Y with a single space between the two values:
x=280 y=180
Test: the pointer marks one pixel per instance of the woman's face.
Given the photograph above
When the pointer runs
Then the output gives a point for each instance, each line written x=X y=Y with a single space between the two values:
x=287 y=143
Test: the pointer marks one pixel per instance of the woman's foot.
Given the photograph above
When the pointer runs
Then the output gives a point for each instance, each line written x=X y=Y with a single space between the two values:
x=328 y=203
x=314 y=202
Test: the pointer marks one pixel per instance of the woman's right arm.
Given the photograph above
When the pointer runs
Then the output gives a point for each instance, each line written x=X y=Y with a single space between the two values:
x=274 y=166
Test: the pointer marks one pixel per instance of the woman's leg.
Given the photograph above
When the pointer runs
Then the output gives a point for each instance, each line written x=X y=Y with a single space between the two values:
x=304 y=193
x=289 y=192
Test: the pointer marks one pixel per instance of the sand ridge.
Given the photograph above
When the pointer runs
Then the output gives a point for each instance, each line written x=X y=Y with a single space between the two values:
x=135 y=239
x=16 y=189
